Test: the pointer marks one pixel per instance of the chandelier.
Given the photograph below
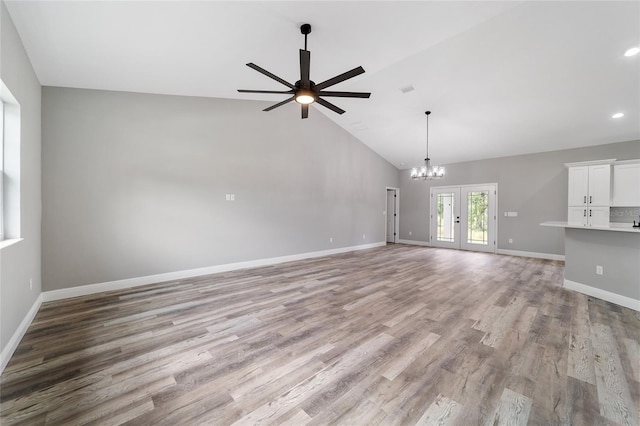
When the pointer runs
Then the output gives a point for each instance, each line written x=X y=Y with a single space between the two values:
x=427 y=171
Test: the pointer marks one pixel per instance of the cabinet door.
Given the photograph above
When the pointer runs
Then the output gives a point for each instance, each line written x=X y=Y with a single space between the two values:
x=600 y=185
x=626 y=185
x=578 y=185
x=598 y=216
x=577 y=216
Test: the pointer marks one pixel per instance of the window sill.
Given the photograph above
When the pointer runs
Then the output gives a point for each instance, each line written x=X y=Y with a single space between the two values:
x=6 y=243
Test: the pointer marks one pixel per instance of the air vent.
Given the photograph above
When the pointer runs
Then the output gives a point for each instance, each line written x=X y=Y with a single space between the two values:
x=407 y=89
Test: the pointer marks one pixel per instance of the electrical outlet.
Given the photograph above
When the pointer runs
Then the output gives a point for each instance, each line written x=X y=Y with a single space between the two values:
x=364 y=236
x=409 y=233
x=599 y=270
x=330 y=239
x=30 y=283
x=510 y=240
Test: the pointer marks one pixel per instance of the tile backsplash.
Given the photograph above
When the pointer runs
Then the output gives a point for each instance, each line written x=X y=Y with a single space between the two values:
x=624 y=214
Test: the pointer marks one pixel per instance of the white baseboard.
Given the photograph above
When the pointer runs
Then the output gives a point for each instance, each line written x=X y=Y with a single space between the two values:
x=12 y=345
x=415 y=243
x=618 y=299
x=84 y=290
x=548 y=256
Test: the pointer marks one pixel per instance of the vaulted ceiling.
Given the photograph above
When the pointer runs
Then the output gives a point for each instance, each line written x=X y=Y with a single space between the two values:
x=502 y=78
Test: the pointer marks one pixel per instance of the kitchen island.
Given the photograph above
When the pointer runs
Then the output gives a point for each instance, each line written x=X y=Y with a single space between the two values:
x=603 y=261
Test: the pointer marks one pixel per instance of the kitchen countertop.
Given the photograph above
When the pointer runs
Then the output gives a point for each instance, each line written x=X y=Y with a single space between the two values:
x=616 y=227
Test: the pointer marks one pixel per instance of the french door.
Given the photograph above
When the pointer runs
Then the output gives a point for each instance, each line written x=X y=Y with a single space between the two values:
x=464 y=217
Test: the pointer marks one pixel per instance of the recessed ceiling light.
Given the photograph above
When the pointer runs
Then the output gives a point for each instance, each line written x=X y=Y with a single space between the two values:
x=633 y=51
x=617 y=115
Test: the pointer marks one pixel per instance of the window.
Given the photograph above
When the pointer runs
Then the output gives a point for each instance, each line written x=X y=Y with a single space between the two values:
x=478 y=217
x=9 y=167
x=446 y=224
x=1 y=170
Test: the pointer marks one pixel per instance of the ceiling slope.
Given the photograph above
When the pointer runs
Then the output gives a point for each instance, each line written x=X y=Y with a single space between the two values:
x=502 y=78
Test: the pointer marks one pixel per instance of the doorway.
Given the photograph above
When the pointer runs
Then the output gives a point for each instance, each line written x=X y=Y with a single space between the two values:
x=392 y=215
x=464 y=217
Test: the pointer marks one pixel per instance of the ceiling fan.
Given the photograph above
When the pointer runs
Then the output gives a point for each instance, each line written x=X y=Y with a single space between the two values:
x=305 y=91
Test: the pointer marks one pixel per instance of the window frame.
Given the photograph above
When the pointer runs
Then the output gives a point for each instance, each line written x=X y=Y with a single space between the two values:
x=10 y=173
x=2 y=137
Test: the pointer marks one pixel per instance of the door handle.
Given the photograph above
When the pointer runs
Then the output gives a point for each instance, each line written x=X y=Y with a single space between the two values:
x=457 y=219
x=589 y=212
x=585 y=200
x=590 y=199
x=585 y=213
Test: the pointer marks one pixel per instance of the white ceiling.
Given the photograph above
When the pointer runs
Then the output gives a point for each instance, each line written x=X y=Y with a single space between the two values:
x=502 y=78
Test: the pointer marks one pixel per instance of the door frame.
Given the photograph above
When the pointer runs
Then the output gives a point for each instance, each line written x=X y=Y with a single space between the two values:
x=494 y=208
x=396 y=237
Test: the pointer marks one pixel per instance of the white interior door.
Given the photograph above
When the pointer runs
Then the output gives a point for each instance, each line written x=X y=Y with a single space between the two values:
x=392 y=215
x=464 y=217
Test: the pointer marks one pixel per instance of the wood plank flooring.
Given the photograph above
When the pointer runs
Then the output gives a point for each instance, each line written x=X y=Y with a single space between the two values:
x=397 y=335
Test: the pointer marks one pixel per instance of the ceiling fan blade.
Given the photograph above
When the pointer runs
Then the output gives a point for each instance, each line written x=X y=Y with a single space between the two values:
x=345 y=94
x=266 y=91
x=305 y=63
x=339 y=78
x=268 y=74
x=305 y=110
x=329 y=105
x=286 y=101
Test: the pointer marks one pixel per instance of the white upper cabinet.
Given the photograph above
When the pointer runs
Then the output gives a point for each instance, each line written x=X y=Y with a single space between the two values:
x=598 y=216
x=578 y=185
x=589 y=193
x=626 y=184
x=578 y=216
x=600 y=185
x=595 y=186
x=590 y=183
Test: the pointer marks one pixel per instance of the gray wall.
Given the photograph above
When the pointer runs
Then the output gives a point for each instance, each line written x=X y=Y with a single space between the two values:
x=534 y=185
x=20 y=262
x=135 y=184
x=617 y=252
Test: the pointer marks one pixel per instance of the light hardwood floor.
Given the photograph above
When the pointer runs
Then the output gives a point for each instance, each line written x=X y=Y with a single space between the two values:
x=395 y=335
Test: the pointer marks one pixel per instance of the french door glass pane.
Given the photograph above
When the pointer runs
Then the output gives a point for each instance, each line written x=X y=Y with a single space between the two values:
x=446 y=217
x=478 y=218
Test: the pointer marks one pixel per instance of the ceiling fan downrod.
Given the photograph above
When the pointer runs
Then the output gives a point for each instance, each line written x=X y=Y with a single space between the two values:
x=305 y=29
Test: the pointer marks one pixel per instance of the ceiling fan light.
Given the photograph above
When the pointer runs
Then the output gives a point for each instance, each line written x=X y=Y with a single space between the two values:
x=305 y=97
x=632 y=52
